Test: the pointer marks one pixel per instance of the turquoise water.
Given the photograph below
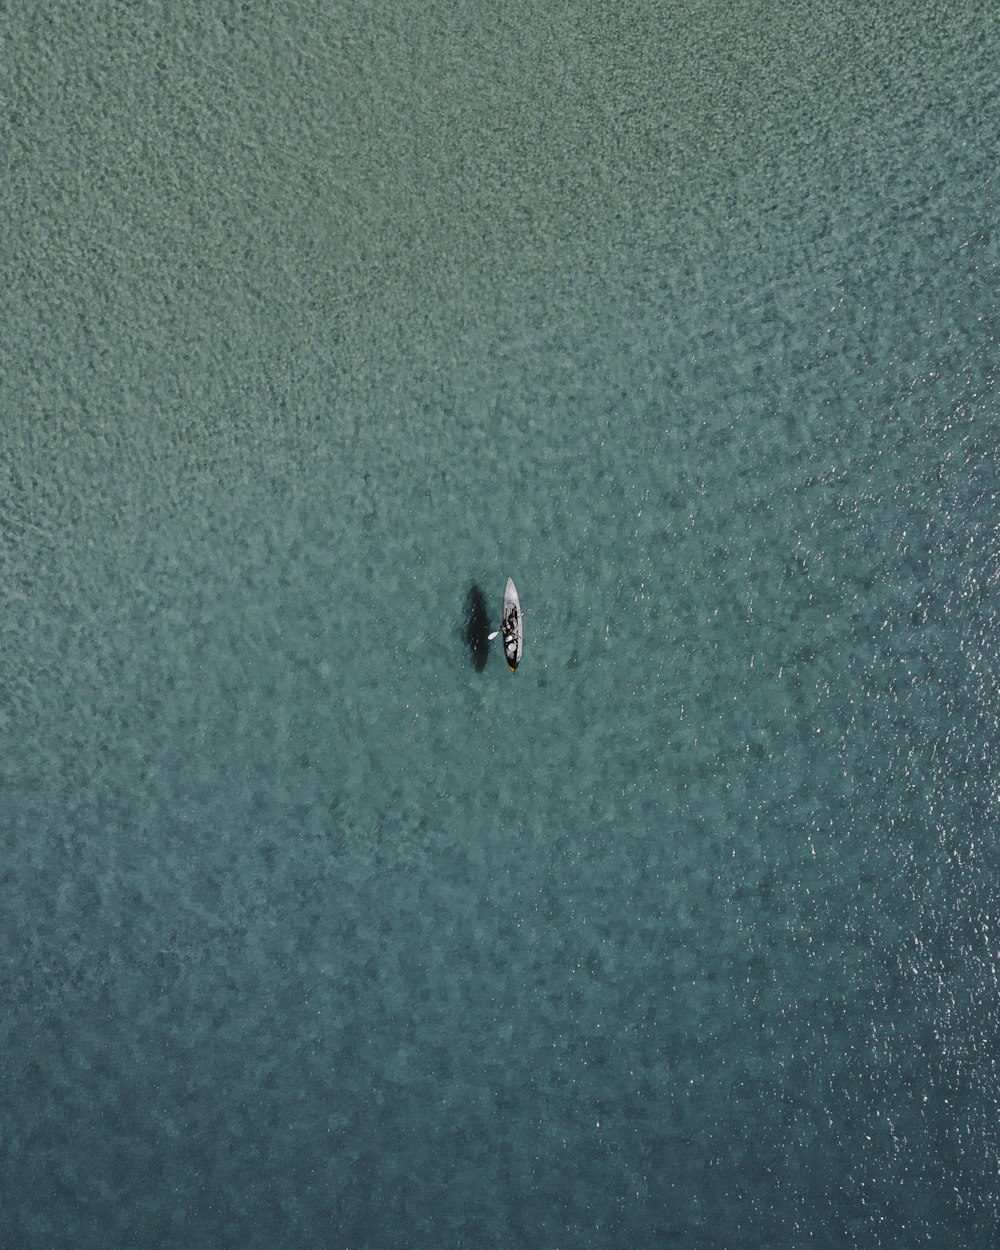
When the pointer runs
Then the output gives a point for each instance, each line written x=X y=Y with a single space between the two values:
x=318 y=927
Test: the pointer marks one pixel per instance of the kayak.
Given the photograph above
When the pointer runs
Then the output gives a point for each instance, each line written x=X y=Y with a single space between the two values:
x=511 y=628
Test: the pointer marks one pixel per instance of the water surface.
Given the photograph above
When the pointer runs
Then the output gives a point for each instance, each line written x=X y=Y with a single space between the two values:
x=318 y=927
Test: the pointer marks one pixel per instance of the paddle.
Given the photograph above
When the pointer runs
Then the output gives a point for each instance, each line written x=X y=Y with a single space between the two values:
x=496 y=632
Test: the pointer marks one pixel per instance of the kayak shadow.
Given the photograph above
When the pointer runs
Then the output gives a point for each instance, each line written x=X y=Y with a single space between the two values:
x=477 y=628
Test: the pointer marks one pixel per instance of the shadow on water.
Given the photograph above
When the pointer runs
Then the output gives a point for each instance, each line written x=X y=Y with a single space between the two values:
x=477 y=628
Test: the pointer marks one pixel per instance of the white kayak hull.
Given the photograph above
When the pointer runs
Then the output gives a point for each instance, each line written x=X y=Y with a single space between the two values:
x=511 y=630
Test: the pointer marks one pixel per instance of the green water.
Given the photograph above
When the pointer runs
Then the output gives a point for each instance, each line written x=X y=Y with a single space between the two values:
x=320 y=322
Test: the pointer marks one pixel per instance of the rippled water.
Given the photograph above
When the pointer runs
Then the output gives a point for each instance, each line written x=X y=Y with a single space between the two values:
x=318 y=927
